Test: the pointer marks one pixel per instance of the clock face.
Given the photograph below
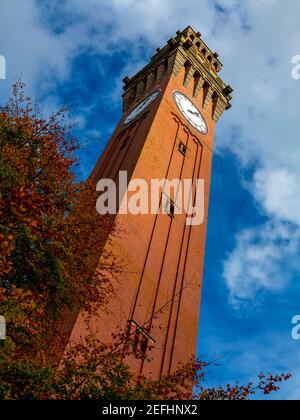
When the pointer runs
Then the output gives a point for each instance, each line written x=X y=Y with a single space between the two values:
x=141 y=107
x=190 y=112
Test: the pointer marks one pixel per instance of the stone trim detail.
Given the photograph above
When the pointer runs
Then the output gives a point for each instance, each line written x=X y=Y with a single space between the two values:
x=186 y=47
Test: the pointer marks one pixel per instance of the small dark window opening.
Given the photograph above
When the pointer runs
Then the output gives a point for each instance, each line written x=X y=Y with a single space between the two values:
x=198 y=45
x=125 y=143
x=182 y=148
x=169 y=207
x=203 y=51
x=172 y=209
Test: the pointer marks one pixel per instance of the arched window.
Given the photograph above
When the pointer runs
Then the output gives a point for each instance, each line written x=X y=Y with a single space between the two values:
x=145 y=82
x=154 y=76
x=187 y=67
x=196 y=78
x=165 y=64
x=215 y=66
x=214 y=98
x=133 y=92
x=205 y=91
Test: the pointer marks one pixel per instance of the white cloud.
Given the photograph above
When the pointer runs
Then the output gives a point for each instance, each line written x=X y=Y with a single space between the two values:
x=278 y=191
x=31 y=51
x=264 y=259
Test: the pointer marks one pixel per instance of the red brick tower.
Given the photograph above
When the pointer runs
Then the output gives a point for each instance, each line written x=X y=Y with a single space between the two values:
x=168 y=136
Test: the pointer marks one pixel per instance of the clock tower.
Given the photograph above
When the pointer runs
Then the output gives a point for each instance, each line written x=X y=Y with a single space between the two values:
x=170 y=109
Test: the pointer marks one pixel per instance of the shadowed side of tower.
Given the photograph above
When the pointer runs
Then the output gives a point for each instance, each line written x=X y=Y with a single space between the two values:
x=166 y=132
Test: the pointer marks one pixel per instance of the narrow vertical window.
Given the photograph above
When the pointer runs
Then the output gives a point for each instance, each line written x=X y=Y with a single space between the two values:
x=205 y=92
x=187 y=68
x=169 y=206
x=214 y=98
x=196 y=83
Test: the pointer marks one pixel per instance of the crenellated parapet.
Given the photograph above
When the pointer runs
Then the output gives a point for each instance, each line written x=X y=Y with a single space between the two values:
x=186 y=51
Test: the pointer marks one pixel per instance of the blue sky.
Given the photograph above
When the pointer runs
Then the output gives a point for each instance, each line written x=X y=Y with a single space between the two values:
x=79 y=51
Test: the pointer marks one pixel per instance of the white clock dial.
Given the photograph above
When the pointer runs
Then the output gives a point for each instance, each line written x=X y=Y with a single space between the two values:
x=190 y=112
x=141 y=107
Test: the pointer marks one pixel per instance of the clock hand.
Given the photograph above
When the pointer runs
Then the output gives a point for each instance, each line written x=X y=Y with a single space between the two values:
x=194 y=113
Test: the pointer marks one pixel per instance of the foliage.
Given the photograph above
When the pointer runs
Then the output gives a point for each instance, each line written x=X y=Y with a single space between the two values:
x=51 y=236
x=47 y=242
